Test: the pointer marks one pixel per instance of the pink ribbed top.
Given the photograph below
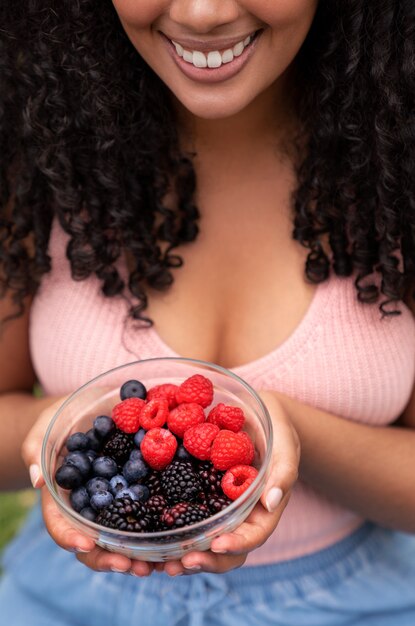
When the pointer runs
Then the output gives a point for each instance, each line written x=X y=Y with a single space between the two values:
x=343 y=358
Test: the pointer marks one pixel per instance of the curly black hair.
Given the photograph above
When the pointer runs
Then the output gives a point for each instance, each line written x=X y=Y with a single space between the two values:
x=88 y=135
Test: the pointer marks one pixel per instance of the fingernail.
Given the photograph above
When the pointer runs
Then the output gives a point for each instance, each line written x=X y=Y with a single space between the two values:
x=82 y=550
x=218 y=550
x=273 y=499
x=34 y=474
x=193 y=567
x=118 y=570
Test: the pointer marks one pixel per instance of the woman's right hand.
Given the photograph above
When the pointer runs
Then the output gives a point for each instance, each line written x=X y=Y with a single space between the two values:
x=61 y=531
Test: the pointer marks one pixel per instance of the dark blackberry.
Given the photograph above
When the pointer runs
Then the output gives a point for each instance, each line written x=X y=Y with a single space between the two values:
x=126 y=514
x=180 y=483
x=118 y=446
x=156 y=506
x=153 y=482
x=217 y=503
x=210 y=478
x=184 y=514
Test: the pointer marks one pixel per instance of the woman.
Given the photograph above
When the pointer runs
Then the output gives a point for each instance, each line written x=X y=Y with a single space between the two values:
x=162 y=155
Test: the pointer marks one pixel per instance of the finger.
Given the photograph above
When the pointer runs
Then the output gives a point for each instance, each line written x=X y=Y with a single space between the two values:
x=142 y=569
x=285 y=455
x=60 y=530
x=212 y=563
x=101 y=560
x=173 y=568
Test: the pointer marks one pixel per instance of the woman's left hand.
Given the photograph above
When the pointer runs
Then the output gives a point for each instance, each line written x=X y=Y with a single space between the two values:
x=231 y=550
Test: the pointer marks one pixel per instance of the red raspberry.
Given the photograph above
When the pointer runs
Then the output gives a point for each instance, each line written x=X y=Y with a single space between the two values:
x=229 y=449
x=167 y=391
x=158 y=447
x=226 y=416
x=237 y=479
x=184 y=416
x=197 y=389
x=126 y=414
x=154 y=413
x=198 y=440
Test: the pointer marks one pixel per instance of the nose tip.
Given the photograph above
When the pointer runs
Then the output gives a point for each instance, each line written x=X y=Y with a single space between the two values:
x=203 y=16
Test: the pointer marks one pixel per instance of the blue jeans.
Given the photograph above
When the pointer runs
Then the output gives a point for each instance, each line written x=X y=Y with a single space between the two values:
x=367 y=579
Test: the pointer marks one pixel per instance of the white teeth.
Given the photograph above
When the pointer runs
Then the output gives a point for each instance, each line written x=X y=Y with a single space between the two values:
x=213 y=59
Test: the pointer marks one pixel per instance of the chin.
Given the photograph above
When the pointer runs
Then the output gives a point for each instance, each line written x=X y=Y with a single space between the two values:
x=213 y=108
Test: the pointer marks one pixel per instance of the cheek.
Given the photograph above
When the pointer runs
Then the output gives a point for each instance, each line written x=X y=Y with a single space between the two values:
x=141 y=13
x=282 y=13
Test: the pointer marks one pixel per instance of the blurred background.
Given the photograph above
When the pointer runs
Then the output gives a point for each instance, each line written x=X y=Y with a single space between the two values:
x=14 y=506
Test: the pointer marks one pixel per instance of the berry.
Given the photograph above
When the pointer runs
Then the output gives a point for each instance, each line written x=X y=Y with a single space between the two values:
x=136 y=454
x=218 y=503
x=198 y=389
x=77 y=441
x=91 y=454
x=125 y=514
x=101 y=499
x=97 y=484
x=105 y=467
x=141 y=492
x=118 y=446
x=126 y=493
x=139 y=436
x=88 y=513
x=179 y=482
x=133 y=389
x=184 y=416
x=94 y=442
x=226 y=416
x=153 y=482
x=182 y=454
x=126 y=414
x=184 y=514
x=103 y=425
x=167 y=391
x=154 y=414
x=117 y=483
x=79 y=460
x=210 y=478
x=135 y=470
x=198 y=440
x=79 y=498
x=237 y=479
x=158 y=447
x=230 y=449
x=69 y=477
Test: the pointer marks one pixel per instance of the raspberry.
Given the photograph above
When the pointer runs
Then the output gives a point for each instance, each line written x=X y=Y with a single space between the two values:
x=167 y=391
x=226 y=416
x=184 y=514
x=184 y=416
x=154 y=414
x=126 y=414
x=158 y=447
x=230 y=449
x=179 y=482
x=198 y=440
x=237 y=479
x=198 y=389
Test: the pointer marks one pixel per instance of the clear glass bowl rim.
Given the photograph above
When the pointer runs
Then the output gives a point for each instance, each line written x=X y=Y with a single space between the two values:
x=210 y=521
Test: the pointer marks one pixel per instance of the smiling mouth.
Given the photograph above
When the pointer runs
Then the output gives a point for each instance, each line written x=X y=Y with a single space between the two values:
x=214 y=58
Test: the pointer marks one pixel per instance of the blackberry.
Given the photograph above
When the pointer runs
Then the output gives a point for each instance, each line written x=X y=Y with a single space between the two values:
x=153 y=482
x=156 y=506
x=210 y=478
x=126 y=514
x=180 y=483
x=217 y=503
x=118 y=446
x=184 y=514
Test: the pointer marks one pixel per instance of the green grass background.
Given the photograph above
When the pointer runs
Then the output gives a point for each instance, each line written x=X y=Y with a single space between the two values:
x=14 y=506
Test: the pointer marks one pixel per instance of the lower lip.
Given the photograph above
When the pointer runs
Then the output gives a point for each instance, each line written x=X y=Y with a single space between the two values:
x=212 y=75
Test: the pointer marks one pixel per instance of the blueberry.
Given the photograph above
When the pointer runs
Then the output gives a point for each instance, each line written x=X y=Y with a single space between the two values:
x=91 y=454
x=69 y=477
x=142 y=492
x=103 y=425
x=79 y=460
x=77 y=441
x=94 y=442
x=117 y=483
x=126 y=493
x=135 y=470
x=104 y=466
x=101 y=499
x=79 y=498
x=97 y=484
x=139 y=436
x=133 y=389
x=89 y=513
x=136 y=454
x=182 y=454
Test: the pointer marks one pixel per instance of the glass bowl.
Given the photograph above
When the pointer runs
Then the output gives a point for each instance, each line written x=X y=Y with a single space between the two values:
x=98 y=397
